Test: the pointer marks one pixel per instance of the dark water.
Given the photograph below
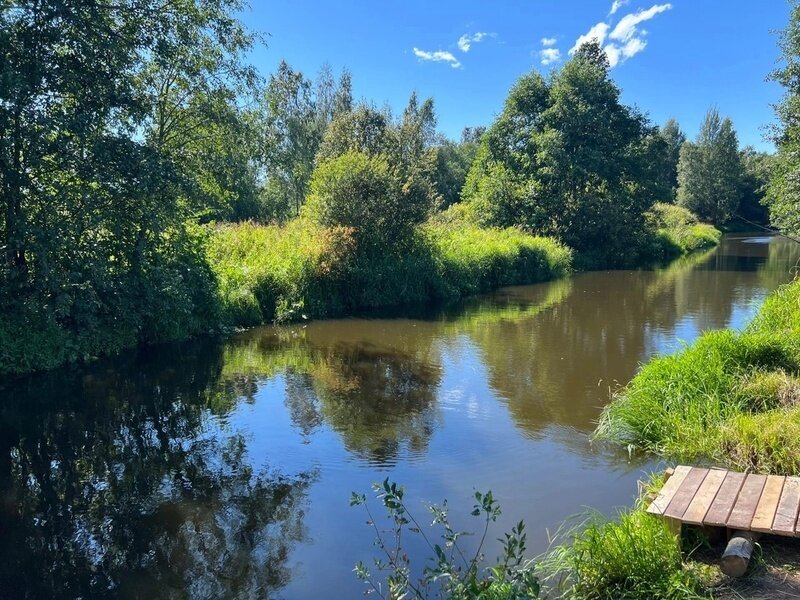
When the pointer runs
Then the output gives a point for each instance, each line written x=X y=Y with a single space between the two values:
x=221 y=469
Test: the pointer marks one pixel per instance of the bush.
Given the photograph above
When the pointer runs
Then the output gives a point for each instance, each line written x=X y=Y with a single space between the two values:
x=360 y=191
x=454 y=573
x=675 y=230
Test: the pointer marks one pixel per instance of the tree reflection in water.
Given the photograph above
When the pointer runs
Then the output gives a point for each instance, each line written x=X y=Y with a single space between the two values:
x=119 y=482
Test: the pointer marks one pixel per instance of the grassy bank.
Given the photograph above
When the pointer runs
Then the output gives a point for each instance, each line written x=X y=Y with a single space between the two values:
x=677 y=231
x=732 y=398
x=287 y=272
x=635 y=556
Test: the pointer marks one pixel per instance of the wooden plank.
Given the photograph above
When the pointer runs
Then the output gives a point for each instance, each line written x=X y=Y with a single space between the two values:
x=788 y=507
x=699 y=506
x=768 y=504
x=685 y=494
x=742 y=514
x=723 y=503
x=660 y=504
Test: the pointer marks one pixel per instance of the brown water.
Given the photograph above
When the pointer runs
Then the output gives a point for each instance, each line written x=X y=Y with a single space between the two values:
x=224 y=468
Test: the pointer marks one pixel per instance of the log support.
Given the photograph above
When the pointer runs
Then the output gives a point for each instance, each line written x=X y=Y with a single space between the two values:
x=736 y=557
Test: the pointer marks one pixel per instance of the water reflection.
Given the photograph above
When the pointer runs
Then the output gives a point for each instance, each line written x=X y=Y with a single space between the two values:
x=191 y=471
x=119 y=482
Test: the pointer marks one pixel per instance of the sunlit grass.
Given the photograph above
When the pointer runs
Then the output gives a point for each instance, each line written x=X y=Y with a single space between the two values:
x=301 y=270
x=724 y=399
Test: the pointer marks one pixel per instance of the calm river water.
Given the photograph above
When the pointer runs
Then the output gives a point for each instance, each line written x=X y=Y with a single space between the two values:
x=224 y=468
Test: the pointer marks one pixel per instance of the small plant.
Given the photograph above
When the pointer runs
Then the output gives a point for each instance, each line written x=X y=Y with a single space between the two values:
x=454 y=573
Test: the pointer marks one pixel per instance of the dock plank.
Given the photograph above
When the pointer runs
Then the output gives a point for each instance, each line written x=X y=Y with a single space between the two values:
x=723 y=503
x=789 y=505
x=704 y=497
x=686 y=492
x=741 y=516
x=768 y=504
x=660 y=504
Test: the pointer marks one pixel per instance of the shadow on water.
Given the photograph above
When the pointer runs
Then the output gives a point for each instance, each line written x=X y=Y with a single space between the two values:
x=192 y=470
x=116 y=481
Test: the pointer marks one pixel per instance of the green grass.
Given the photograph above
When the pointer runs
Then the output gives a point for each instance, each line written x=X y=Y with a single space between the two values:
x=268 y=273
x=635 y=556
x=722 y=400
x=678 y=231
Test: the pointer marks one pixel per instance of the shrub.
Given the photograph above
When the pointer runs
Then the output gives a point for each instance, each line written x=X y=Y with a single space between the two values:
x=363 y=192
x=454 y=573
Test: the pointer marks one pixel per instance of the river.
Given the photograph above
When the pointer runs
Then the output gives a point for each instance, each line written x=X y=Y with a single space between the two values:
x=221 y=468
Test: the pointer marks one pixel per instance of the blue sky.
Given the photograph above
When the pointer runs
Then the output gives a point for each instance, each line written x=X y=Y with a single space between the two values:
x=673 y=59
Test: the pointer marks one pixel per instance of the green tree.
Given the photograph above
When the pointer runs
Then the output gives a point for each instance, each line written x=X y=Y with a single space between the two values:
x=376 y=174
x=673 y=138
x=93 y=195
x=297 y=114
x=710 y=171
x=453 y=160
x=757 y=171
x=783 y=193
x=572 y=161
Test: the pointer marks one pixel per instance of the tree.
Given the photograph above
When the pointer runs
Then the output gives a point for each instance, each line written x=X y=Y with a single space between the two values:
x=297 y=114
x=783 y=193
x=566 y=158
x=710 y=171
x=673 y=138
x=93 y=193
x=757 y=170
x=375 y=174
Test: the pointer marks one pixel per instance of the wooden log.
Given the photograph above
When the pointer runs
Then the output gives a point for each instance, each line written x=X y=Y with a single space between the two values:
x=737 y=554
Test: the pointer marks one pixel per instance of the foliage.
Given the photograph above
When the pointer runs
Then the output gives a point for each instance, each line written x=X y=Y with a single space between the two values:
x=710 y=171
x=722 y=398
x=296 y=115
x=634 y=556
x=104 y=114
x=567 y=159
x=363 y=192
x=453 y=161
x=674 y=139
x=284 y=272
x=455 y=572
x=783 y=194
x=757 y=172
x=678 y=231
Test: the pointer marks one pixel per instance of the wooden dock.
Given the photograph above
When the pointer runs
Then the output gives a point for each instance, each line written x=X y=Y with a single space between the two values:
x=738 y=501
x=746 y=505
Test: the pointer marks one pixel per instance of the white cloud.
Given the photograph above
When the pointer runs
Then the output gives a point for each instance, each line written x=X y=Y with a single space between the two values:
x=549 y=41
x=626 y=39
x=550 y=55
x=627 y=26
x=617 y=5
x=438 y=56
x=466 y=40
x=597 y=33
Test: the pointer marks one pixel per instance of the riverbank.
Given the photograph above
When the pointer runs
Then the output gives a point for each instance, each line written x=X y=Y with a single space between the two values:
x=731 y=399
x=241 y=275
x=300 y=271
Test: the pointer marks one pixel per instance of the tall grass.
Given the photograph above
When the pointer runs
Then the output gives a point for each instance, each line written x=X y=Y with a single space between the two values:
x=723 y=399
x=635 y=556
x=301 y=270
x=678 y=231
